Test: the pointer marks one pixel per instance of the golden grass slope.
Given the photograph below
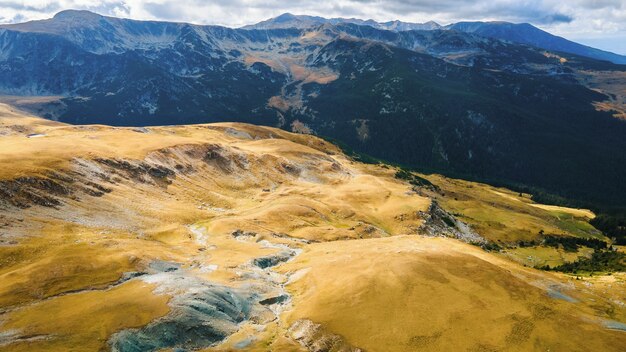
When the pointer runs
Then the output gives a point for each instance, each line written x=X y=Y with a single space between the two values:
x=504 y=216
x=362 y=275
x=409 y=293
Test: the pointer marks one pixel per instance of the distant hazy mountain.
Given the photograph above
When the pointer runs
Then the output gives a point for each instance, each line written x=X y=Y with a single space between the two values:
x=528 y=34
x=442 y=100
x=288 y=20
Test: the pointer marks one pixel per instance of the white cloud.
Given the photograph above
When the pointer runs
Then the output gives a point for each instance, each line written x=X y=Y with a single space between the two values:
x=576 y=19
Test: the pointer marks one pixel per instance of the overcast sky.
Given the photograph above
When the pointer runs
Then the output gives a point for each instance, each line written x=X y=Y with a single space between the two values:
x=599 y=23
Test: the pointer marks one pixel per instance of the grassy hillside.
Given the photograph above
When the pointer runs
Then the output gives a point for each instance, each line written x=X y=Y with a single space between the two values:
x=232 y=236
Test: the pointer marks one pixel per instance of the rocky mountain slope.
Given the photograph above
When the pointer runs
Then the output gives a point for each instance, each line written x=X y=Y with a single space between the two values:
x=229 y=236
x=522 y=33
x=438 y=99
x=525 y=33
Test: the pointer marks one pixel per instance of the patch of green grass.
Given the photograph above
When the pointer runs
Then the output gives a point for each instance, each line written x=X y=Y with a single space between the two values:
x=569 y=223
x=539 y=256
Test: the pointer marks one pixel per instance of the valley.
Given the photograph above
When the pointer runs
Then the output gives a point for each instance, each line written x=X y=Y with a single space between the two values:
x=230 y=236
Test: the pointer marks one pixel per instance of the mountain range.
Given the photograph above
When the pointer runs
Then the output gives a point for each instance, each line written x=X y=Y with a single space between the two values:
x=523 y=33
x=288 y=20
x=499 y=102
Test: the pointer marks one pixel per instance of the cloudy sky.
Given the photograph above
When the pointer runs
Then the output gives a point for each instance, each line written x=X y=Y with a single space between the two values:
x=599 y=23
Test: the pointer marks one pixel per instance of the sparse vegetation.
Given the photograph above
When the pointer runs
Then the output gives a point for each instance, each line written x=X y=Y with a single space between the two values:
x=613 y=224
x=601 y=261
x=609 y=219
x=491 y=247
x=506 y=217
x=414 y=179
x=571 y=244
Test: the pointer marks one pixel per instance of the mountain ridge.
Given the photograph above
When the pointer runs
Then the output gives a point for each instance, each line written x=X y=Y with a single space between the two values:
x=526 y=33
x=523 y=33
x=438 y=100
x=288 y=20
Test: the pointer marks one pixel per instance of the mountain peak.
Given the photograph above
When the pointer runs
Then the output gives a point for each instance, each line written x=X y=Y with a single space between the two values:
x=77 y=14
x=285 y=17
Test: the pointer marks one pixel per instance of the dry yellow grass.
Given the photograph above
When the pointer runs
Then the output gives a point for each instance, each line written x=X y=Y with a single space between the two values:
x=84 y=321
x=66 y=258
x=314 y=212
x=408 y=293
x=364 y=273
x=580 y=213
x=60 y=143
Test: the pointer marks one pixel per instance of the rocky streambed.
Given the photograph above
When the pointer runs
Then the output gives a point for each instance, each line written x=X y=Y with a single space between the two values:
x=204 y=313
